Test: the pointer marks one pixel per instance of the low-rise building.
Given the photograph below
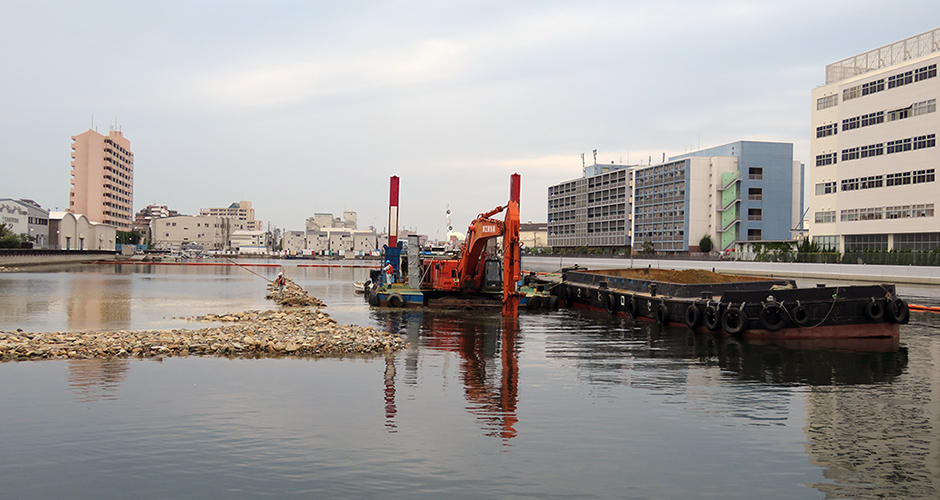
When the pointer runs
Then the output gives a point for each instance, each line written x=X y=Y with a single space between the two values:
x=325 y=235
x=253 y=242
x=24 y=216
x=143 y=217
x=533 y=235
x=69 y=231
x=210 y=233
x=294 y=242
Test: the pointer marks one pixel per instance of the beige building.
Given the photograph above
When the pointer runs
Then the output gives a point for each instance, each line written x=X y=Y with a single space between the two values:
x=874 y=125
x=103 y=178
x=240 y=211
x=254 y=242
x=204 y=232
x=533 y=235
x=70 y=231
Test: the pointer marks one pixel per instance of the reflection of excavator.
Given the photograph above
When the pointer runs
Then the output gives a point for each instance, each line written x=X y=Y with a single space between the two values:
x=477 y=276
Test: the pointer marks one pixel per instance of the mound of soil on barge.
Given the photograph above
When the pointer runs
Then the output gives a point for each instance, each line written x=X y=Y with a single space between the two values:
x=685 y=277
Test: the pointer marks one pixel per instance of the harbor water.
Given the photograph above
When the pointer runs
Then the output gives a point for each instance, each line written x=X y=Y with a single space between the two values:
x=561 y=404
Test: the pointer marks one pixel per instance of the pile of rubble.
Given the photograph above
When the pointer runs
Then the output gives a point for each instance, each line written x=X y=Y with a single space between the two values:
x=290 y=331
x=284 y=292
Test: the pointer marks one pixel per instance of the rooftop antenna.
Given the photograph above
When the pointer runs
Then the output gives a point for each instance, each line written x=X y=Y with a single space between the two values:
x=595 y=157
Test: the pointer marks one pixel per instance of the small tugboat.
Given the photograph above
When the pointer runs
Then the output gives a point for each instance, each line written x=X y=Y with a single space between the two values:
x=756 y=308
x=480 y=275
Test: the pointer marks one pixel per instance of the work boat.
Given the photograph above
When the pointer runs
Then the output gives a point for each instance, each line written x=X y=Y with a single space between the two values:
x=484 y=273
x=737 y=305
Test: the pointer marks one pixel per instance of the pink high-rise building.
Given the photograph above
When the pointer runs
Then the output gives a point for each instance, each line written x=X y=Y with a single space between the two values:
x=103 y=178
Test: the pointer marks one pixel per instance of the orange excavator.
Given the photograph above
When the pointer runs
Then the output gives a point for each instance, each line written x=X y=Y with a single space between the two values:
x=477 y=268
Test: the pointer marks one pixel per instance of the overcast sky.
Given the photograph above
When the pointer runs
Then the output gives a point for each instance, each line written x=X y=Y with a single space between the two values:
x=304 y=107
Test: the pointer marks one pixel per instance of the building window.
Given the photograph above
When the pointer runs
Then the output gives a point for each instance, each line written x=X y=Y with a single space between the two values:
x=852 y=93
x=924 y=107
x=826 y=159
x=850 y=154
x=825 y=217
x=827 y=101
x=900 y=79
x=917 y=241
x=866 y=242
x=851 y=123
x=898 y=146
x=827 y=130
x=753 y=235
x=826 y=188
x=754 y=214
x=755 y=194
x=755 y=173
x=872 y=150
x=873 y=87
x=827 y=243
x=925 y=72
x=925 y=141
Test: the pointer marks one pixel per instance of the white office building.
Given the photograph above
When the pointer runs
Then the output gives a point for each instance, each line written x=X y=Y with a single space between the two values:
x=874 y=149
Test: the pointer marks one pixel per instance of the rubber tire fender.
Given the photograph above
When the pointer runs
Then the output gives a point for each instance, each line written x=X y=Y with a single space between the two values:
x=632 y=307
x=734 y=321
x=712 y=318
x=692 y=316
x=898 y=312
x=800 y=315
x=612 y=303
x=395 y=300
x=662 y=314
x=772 y=317
x=874 y=311
x=534 y=303
x=553 y=302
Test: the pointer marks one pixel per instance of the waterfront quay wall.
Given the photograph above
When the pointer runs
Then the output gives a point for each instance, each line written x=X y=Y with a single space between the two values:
x=30 y=257
x=914 y=275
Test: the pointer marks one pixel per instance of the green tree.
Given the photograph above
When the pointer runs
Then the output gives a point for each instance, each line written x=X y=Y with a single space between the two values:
x=705 y=244
x=129 y=237
x=8 y=239
x=648 y=247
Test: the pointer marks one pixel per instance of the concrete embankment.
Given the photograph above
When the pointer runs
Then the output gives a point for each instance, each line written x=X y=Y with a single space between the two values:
x=16 y=258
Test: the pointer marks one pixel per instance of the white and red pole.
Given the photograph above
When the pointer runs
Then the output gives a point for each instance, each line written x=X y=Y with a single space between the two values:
x=393 y=213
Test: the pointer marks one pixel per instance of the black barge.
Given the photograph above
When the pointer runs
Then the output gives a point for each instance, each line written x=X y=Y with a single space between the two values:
x=737 y=305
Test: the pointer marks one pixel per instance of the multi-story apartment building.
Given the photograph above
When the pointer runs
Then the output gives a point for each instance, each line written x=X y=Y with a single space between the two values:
x=103 y=178
x=874 y=145
x=239 y=210
x=591 y=211
x=742 y=191
x=145 y=215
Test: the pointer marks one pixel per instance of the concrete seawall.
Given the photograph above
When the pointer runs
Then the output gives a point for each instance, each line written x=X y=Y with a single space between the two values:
x=18 y=258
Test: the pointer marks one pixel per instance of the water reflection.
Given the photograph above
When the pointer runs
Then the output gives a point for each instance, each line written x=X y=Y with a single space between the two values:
x=882 y=440
x=612 y=347
x=97 y=379
x=488 y=349
x=94 y=301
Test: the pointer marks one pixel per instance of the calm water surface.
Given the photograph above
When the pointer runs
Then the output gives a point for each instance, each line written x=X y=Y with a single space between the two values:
x=558 y=405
